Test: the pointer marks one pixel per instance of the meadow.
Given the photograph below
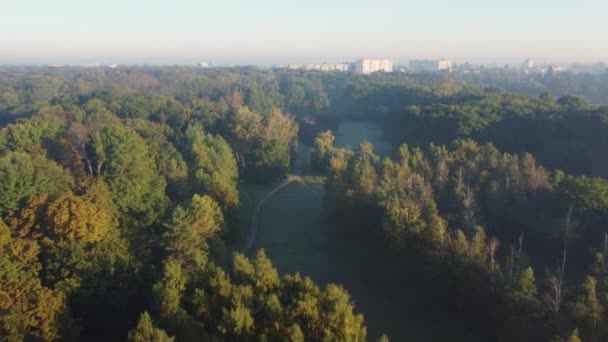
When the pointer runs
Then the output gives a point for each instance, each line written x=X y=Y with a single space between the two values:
x=350 y=134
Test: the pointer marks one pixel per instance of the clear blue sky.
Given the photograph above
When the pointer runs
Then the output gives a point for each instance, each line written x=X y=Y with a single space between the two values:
x=283 y=31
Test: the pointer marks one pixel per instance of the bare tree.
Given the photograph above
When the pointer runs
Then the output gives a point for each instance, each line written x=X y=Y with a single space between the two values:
x=556 y=283
x=513 y=258
x=556 y=286
x=79 y=133
x=510 y=262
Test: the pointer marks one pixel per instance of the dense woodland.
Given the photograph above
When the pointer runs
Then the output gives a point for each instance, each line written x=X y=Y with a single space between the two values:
x=119 y=190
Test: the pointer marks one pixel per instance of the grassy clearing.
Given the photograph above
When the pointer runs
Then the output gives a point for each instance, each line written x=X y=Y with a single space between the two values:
x=249 y=195
x=351 y=133
x=297 y=236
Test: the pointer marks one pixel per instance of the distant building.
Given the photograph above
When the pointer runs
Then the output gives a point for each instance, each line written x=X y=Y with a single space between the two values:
x=204 y=65
x=343 y=67
x=528 y=64
x=368 y=66
x=430 y=65
x=113 y=66
x=552 y=69
x=467 y=68
x=362 y=66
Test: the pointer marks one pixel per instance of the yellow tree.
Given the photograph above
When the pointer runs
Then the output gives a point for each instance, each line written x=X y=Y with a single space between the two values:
x=74 y=218
x=28 y=310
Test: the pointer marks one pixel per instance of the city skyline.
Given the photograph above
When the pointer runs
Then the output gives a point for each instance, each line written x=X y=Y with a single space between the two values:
x=271 y=32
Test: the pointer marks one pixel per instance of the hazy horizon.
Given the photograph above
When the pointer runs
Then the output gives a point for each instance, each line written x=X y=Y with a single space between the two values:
x=272 y=32
x=270 y=61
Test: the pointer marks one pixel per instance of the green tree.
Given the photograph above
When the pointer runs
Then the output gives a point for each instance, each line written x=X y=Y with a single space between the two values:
x=262 y=144
x=169 y=289
x=237 y=321
x=168 y=161
x=190 y=228
x=28 y=133
x=294 y=334
x=364 y=170
x=25 y=174
x=525 y=287
x=338 y=319
x=126 y=165
x=213 y=167
x=322 y=150
x=587 y=308
x=145 y=331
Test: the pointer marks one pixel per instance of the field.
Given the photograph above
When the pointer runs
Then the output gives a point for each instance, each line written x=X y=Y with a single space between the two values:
x=351 y=133
x=297 y=236
x=249 y=195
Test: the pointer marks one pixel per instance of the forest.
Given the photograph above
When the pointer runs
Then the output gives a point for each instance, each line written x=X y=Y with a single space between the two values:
x=121 y=193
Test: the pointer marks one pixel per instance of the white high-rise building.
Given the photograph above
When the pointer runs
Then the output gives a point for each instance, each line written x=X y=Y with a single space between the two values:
x=367 y=66
x=426 y=65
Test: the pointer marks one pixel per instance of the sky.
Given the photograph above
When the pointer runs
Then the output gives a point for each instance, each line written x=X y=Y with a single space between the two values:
x=289 y=31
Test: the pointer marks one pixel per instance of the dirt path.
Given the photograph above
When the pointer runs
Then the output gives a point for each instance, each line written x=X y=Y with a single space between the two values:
x=255 y=225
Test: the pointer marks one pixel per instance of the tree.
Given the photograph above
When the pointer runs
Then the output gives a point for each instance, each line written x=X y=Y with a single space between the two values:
x=522 y=310
x=266 y=276
x=237 y=321
x=26 y=134
x=169 y=289
x=574 y=337
x=524 y=287
x=364 y=170
x=190 y=228
x=168 y=161
x=28 y=310
x=125 y=164
x=383 y=338
x=262 y=144
x=145 y=331
x=294 y=333
x=322 y=150
x=571 y=103
x=74 y=218
x=80 y=240
x=213 y=168
x=339 y=321
x=587 y=308
x=25 y=174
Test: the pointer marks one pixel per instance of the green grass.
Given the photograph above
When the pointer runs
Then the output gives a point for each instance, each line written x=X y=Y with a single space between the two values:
x=297 y=236
x=249 y=195
x=351 y=134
